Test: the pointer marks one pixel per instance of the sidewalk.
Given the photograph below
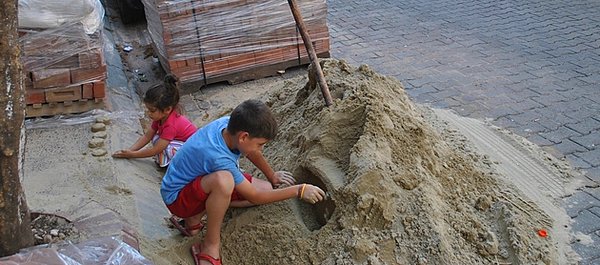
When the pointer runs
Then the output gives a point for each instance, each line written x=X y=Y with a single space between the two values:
x=530 y=67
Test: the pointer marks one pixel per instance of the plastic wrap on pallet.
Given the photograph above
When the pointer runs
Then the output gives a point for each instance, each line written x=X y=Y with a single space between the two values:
x=61 y=48
x=200 y=38
x=107 y=250
x=44 y=14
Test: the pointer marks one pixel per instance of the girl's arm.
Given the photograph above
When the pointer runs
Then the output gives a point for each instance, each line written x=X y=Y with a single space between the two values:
x=158 y=147
x=143 y=140
x=135 y=152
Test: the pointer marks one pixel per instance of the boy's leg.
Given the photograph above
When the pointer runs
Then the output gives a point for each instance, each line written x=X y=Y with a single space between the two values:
x=191 y=223
x=219 y=186
x=259 y=184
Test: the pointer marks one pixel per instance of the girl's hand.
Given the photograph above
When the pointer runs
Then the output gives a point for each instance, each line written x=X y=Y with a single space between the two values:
x=283 y=179
x=122 y=154
x=311 y=194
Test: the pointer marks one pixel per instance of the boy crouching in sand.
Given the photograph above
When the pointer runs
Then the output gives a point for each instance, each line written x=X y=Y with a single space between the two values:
x=204 y=176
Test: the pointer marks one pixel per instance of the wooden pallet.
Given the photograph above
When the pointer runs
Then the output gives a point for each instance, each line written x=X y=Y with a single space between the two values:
x=250 y=74
x=67 y=107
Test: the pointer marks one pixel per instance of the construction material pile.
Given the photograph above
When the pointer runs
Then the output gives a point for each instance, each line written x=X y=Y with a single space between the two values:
x=399 y=191
x=62 y=55
x=234 y=40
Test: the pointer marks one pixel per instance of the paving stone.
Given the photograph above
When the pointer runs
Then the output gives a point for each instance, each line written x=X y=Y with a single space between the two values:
x=596 y=211
x=577 y=162
x=592 y=157
x=593 y=173
x=585 y=126
x=541 y=141
x=580 y=201
x=588 y=249
x=590 y=141
x=567 y=147
x=586 y=222
x=594 y=192
x=560 y=134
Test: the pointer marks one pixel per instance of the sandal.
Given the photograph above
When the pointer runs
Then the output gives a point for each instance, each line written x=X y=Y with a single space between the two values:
x=203 y=256
x=180 y=225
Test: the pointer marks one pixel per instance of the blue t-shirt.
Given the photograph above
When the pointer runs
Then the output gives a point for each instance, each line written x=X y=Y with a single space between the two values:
x=203 y=153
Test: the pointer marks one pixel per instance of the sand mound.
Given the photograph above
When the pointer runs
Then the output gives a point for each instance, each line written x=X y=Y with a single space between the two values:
x=399 y=192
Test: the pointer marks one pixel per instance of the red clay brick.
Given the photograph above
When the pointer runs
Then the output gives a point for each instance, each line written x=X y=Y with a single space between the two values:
x=51 y=78
x=87 y=90
x=99 y=89
x=88 y=75
x=63 y=94
x=34 y=96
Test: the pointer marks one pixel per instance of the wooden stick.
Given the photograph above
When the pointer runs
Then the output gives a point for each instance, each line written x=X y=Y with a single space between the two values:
x=311 y=51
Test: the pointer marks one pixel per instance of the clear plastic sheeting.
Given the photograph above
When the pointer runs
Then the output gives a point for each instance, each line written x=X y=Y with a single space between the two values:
x=46 y=14
x=62 y=56
x=197 y=39
x=60 y=48
x=108 y=250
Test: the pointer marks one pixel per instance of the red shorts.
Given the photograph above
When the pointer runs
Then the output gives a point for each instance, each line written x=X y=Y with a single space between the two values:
x=192 y=199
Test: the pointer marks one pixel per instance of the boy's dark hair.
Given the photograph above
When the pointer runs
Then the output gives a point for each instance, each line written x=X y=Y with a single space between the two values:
x=254 y=117
x=164 y=95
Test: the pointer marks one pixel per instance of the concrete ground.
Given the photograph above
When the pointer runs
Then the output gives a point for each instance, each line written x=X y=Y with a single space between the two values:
x=532 y=67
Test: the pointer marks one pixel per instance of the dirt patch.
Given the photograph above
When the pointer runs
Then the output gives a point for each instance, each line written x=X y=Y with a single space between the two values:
x=50 y=228
x=400 y=191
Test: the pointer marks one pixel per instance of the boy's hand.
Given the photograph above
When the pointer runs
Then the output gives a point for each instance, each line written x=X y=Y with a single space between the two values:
x=283 y=179
x=312 y=194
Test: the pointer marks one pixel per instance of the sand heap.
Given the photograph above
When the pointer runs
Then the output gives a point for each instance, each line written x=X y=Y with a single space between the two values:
x=399 y=192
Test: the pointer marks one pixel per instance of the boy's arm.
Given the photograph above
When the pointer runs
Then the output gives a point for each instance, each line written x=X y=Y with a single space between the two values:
x=310 y=193
x=276 y=178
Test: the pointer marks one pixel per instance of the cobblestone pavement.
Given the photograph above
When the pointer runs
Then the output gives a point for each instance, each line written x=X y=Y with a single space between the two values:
x=532 y=67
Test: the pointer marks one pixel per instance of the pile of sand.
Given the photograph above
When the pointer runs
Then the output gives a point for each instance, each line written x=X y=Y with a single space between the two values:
x=399 y=192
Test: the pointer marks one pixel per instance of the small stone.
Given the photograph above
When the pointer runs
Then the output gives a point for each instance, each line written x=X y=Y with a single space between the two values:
x=96 y=142
x=127 y=48
x=103 y=119
x=97 y=127
x=62 y=236
x=54 y=232
x=483 y=203
x=38 y=237
x=47 y=239
x=99 y=152
x=101 y=134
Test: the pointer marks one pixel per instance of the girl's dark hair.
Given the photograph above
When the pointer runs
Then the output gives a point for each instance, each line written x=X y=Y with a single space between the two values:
x=164 y=95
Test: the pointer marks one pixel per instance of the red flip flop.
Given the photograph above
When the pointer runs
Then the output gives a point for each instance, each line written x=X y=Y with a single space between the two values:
x=202 y=256
x=180 y=225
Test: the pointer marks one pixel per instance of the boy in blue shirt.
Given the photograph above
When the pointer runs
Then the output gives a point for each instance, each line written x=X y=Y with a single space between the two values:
x=204 y=176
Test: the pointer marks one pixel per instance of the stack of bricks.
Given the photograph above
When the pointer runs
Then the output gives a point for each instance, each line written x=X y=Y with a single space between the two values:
x=64 y=68
x=202 y=40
